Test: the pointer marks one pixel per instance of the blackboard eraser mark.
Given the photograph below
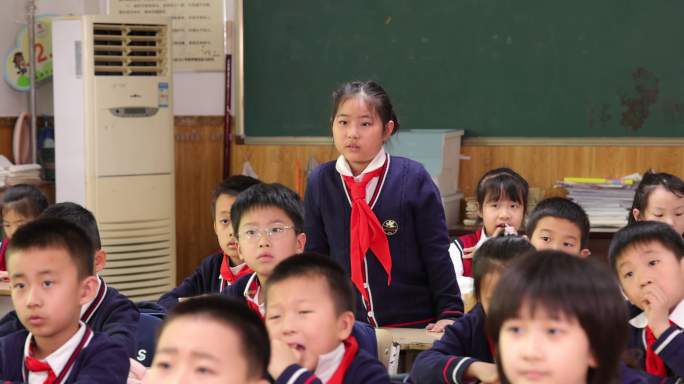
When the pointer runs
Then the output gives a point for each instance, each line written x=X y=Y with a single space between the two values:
x=646 y=85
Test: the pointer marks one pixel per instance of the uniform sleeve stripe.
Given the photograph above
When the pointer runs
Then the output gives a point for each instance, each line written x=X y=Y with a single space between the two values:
x=446 y=367
x=458 y=366
x=296 y=375
x=667 y=341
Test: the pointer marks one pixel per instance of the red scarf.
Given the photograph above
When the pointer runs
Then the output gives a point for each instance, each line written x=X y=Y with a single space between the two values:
x=251 y=295
x=654 y=364
x=228 y=276
x=32 y=364
x=351 y=348
x=366 y=233
x=3 y=251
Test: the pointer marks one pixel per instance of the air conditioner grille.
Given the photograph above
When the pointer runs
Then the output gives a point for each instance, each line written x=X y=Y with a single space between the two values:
x=129 y=49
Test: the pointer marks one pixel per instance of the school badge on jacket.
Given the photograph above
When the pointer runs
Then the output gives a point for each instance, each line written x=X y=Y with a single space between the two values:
x=390 y=227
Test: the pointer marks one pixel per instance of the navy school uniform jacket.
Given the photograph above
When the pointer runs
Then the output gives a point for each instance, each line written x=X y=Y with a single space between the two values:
x=363 y=369
x=102 y=361
x=111 y=313
x=205 y=279
x=464 y=342
x=421 y=267
x=669 y=347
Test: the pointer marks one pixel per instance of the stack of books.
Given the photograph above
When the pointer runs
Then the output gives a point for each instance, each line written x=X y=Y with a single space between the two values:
x=20 y=174
x=606 y=201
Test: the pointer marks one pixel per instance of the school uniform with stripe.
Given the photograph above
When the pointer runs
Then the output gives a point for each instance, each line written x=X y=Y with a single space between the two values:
x=205 y=279
x=407 y=202
x=664 y=356
x=464 y=342
x=110 y=312
x=352 y=366
x=87 y=357
x=247 y=289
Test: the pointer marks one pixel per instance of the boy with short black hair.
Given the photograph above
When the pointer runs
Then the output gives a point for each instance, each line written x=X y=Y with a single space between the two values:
x=211 y=339
x=223 y=268
x=559 y=224
x=310 y=316
x=51 y=274
x=268 y=222
x=109 y=311
x=648 y=259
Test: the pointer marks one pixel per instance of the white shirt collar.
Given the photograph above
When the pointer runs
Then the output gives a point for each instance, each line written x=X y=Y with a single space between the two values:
x=254 y=299
x=342 y=166
x=483 y=238
x=676 y=316
x=85 y=306
x=236 y=269
x=58 y=358
x=329 y=362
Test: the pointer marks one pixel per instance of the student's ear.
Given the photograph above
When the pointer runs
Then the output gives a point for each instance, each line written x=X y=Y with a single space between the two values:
x=592 y=361
x=100 y=260
x=345 y=324
x=301 y=242
x=88 y=289
x=636 y=214
x=584 y=253
x=389 y=129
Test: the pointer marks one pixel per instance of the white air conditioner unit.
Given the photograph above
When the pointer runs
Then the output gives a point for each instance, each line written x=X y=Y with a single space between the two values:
x=114 y=142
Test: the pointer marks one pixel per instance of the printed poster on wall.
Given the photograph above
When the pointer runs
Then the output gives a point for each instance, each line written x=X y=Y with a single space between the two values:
x=197 y=27
x=16 y=66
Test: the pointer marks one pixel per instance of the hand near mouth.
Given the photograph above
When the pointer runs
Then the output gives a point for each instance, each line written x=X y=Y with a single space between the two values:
x=282 y=356
x=657 y=311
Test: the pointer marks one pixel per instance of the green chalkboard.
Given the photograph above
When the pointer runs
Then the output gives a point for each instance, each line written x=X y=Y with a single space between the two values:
x=537 y=68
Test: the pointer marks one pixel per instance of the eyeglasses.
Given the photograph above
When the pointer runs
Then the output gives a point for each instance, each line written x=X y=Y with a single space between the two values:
x=254 y=234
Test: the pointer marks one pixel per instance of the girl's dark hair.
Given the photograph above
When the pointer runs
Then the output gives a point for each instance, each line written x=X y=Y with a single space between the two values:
x=26 y=200
x=254 y=341
x=373 y=93
x=648 y=184
x=565 y=285
x=501 y=182
x=494 y=255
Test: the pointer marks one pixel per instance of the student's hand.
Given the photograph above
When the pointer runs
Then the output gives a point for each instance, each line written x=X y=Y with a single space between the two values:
x=656 y=308
x=468 y=252
x=136 y=373
x=439 y=326
x=282 y=356
x=486 y=373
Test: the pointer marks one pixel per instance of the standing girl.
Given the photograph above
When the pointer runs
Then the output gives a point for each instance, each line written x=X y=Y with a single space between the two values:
x=381 y=217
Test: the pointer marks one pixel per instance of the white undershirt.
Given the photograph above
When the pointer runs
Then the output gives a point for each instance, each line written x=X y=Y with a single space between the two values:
x=343 y=168
x=329 y=362
x=58 y=358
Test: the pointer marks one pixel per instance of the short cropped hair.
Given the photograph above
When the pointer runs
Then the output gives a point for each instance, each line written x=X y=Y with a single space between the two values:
x=565 y=285
x=78 y=215
x=561 y=208
x=265 y=195
x=231 y=186
x=494 y=255
x=642 y=232
x=26 y=200
x=254 y=341
x=311 y=265
x=54 y=233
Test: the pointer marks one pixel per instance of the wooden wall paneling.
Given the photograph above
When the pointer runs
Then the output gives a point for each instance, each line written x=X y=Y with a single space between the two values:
x=199 y=167
x=6 y=128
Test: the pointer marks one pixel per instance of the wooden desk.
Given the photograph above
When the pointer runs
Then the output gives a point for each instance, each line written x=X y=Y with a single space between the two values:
x=413 y=339
x=5 y=299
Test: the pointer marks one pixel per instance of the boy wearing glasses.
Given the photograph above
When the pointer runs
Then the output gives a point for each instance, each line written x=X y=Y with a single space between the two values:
x=223 y=268
x=268 y=221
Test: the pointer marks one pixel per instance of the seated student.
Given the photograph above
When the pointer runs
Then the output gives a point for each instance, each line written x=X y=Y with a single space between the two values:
x=464 y=353
x=556 y=318
x=20 y=204
x=211 y=339
x=222 y=268
x=559 y=224
x=268 y=222
x=501 y=203
x=50 y=264
x=310 y=316
x=648 y=259
x=109 y=311
x=659 y=197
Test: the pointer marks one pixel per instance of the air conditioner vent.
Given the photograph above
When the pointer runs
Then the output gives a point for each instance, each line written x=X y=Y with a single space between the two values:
x=129 y=49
